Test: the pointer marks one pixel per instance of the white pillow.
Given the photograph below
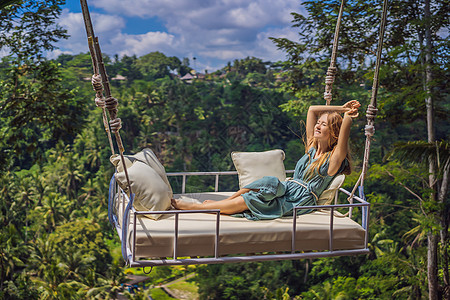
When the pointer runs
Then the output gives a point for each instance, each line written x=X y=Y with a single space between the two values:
x=146 y=156
x=255 y=165
x=327 y=195
x=152 y=192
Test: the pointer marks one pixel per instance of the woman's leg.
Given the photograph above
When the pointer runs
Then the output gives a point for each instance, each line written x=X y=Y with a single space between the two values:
x=238 y=193
x=227 y=206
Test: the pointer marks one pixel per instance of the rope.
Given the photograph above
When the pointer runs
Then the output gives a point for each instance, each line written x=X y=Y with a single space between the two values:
x=372 y=110
x=100 y=102
x=111 y=105
x=331 y=72
x=115 y=124
x=100 y=83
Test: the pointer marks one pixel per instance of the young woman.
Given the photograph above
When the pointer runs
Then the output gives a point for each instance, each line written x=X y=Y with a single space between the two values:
x=326 y=155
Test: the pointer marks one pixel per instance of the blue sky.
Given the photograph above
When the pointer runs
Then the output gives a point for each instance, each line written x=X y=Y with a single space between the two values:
x=213 y=31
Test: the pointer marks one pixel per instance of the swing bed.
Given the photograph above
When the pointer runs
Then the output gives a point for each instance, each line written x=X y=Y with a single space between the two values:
x=187 y=237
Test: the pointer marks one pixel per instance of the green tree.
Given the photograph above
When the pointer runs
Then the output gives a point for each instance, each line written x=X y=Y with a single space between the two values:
x=412 y=77
x=435 y=208
x=83 y=236
x=34 y=105
x=156 y=65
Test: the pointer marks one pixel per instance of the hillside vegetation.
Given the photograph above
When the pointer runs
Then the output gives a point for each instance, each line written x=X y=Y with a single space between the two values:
x=55 y=238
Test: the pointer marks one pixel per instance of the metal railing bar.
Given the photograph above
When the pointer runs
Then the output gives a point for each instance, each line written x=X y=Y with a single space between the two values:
x=236 y=259
x=201 y=173
x=216 y=185
x=366 y=227
x=354 y=197
x=173 y=212
x=175 y=241
x=332 y=206
x=209 y=173
x=169 y=212
x=183 y=185
x=331 y=229
x=124 y=203
x=216 y=248
x=134 y=237
x=294 y=230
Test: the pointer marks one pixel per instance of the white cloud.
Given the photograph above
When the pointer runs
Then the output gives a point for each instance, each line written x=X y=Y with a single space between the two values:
x=144 y=43
x=223 y=54
x=214 y=31
x=57 y=52
x=266 y=49
x=106 y=27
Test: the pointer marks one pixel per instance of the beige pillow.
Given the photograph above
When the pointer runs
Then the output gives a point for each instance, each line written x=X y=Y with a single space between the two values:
x=255 y=165
x=151 y=191
x=328 y=195
x=146 y=156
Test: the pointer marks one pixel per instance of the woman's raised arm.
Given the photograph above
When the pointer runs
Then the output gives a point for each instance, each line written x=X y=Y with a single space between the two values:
x=315 y=111
x=341 y=150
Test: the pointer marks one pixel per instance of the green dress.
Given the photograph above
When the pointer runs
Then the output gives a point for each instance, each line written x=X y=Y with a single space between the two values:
x=275 y=198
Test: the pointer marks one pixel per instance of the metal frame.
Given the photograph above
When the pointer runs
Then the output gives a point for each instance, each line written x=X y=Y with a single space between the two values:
x=128 y=251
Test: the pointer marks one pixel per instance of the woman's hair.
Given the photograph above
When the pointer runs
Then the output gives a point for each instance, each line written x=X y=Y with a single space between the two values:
x=334 y=122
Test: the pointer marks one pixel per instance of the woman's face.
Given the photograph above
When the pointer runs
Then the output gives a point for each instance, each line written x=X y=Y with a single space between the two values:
x=321 y=129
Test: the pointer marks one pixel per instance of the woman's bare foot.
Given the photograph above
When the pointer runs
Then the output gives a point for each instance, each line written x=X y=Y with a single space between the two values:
x=180 y=204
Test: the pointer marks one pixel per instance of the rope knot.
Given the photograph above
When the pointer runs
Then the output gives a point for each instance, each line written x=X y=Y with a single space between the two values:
x=331 y=74
x=329 y=79
x=371 y=112
x=115 y=125
x=331 y=71
x=369 y=130
x=111 y=106
x=97 y=83
x=100 y=102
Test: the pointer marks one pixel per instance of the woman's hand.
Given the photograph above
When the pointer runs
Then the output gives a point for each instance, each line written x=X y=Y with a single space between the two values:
x=351 y=104
x=352 y=112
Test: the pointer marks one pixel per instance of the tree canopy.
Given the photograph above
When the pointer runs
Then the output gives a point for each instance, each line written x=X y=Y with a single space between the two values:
x=55 y=240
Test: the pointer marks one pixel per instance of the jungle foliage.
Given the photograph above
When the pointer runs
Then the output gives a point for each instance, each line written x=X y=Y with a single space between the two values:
x=55 y=239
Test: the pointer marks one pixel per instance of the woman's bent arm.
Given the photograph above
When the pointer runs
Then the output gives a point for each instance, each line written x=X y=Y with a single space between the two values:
x=341 y=149
x=315 y=111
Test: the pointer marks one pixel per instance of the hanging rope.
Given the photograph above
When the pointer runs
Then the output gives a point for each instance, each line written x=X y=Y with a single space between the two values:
x=372 y=110
x=96 y=79
x=331 y=73
x=100 y=84
x=100 y=102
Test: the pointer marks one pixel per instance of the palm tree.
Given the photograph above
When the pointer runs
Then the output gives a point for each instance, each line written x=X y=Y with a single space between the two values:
x=25 y=195
x=380 y=246
x=39 y=183
x=71 y=176
x=102 y=287
x=410 y=272
x=10 y=253
x=53 y=284
x=88 y=190
x=437 y=156
x=54 y=210
x=43 y=251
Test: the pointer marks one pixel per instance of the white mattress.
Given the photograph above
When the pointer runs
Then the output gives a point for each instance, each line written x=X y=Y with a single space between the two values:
x=155 y=239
